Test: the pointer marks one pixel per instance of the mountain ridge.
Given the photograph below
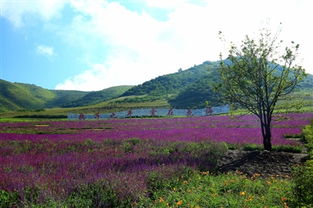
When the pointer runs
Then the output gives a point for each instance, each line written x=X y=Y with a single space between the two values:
x=190 y=88
x=21 y=96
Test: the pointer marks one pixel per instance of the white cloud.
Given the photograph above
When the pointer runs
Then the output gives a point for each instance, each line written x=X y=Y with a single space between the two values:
x=138 y=47
x=15 y=10
x=82 y=81
x=142 y=47
x=45 y=50
x=173 y=4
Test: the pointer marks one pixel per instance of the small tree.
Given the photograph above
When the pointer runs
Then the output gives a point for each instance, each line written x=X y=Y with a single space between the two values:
x=257 y=74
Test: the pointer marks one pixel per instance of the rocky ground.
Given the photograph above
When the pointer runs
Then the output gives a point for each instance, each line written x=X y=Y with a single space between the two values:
x=264 y=163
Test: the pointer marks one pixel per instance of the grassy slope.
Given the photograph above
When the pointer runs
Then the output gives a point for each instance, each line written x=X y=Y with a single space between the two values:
x=64 y=97
x=99 y=96
x=190 y=88
x=290 y=104
x=113 y=105
x=172 y=83
x=16 y=96
x=21 y=97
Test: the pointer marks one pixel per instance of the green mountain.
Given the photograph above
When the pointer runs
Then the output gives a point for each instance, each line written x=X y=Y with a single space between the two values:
x=198 y=95
x=176 y=82
x=15 y=96
x=99 y=96
x=191 y=88
x=64 y=97
x=19 y=96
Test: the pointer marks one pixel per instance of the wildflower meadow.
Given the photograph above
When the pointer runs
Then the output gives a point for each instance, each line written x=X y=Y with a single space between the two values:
x=154 y=162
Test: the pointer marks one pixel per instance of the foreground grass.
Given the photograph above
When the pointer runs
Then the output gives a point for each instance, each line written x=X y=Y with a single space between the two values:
x=192 y=189
x=201 y=189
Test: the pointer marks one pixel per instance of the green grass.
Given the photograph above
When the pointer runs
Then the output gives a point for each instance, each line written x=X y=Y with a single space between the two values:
x=104 y=107
x=99 y=96
x=201 y=189
x=276 y=148
x=189 y=188
x=303 y=177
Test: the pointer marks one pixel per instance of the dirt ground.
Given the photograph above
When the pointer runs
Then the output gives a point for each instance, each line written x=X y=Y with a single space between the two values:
x=264 y=163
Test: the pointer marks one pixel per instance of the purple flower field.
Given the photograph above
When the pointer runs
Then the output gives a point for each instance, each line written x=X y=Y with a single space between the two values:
x=236 y=129
x=57 y=157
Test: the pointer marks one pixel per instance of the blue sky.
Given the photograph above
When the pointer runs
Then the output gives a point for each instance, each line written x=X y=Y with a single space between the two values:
x=95 y=44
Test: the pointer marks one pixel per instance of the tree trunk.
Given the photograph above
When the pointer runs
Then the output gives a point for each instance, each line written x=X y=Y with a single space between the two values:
x=266 y=132
x=267 y=136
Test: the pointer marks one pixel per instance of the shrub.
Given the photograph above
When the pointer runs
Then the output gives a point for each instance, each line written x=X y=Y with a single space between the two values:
x=166 y=178
x=206 y=154
x=31 y=195
x=98 y=194
x=111 y=142
x=308 y=136
x=89 y=143
x=133 y=141
x=278 y=148
x=287 y=148
x=233 y=146
x=252 y=147
x=128 y=145
x=303 y=179
x=8 y=199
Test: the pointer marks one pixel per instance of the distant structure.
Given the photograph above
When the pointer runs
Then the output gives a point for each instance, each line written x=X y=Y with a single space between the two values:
x=153 y=112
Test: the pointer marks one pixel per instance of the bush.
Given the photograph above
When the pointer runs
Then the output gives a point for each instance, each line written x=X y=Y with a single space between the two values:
x=278 y=148
x=252 y=147
x=303 y=179
x=287 y=148
x=308 y=136
x=128 y=145
x=166 y=178
x=303 y=175
x=133 y=141
x=8 y=199
x=97 y=194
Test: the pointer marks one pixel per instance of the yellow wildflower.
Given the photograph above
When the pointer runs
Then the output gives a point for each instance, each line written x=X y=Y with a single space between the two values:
x=285 y=205
x=242 y=193
x=180 y=202
x=250 y=198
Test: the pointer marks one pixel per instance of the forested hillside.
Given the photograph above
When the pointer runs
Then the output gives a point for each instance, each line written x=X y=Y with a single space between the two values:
x=191 y=88
x=176 y=82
